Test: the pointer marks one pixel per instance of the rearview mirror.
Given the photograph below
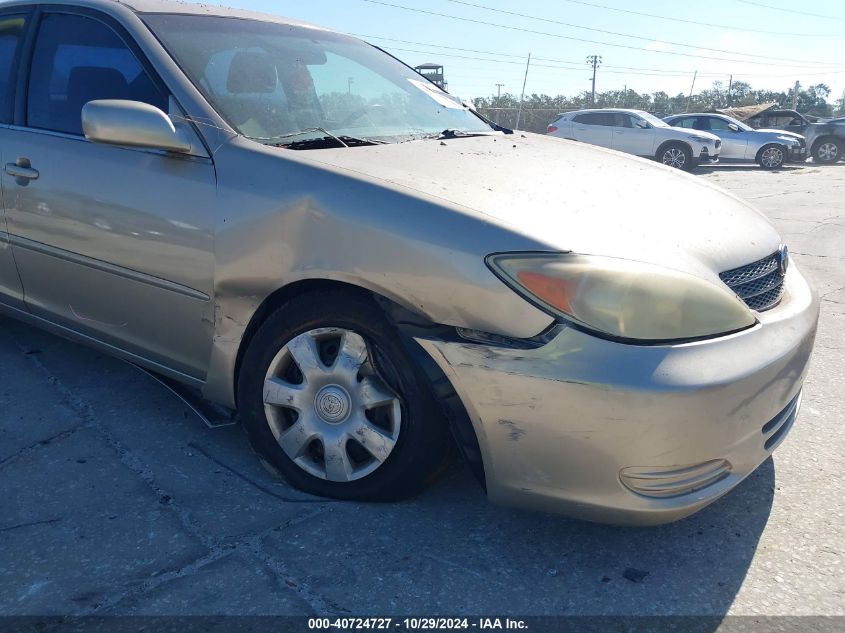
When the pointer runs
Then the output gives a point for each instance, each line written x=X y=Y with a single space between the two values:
x=734 y=127
x=133 y=124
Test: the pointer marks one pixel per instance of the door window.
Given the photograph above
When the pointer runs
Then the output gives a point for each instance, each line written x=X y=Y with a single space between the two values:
x=595 y=118
x=11 y=27
x=686 y=122
x=715 y=124
x=77 y=60
x=621 y=119
x=780 y=121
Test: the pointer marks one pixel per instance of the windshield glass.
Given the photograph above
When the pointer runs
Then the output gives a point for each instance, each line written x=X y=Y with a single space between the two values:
x=655 y=122
x=276 y=83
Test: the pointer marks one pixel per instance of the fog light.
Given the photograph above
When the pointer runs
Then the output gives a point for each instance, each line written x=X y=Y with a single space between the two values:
x=674 y=481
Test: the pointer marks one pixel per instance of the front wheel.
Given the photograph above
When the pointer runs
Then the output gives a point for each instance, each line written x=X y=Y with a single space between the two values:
x=676 y=155
x=772 y=157
x=827 y=151
x=332 y=400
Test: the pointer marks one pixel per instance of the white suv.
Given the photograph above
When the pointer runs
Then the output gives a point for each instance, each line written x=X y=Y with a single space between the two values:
x=640 y=133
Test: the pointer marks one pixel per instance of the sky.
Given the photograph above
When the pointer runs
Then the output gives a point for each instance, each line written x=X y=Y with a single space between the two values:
x=767 y=43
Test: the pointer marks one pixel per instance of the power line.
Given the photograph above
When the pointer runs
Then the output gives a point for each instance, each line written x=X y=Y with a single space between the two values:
x=732 y=27
x=573 y=64
x=616 y=33
x=812 y=15
x=579 y=39
x=559 y=68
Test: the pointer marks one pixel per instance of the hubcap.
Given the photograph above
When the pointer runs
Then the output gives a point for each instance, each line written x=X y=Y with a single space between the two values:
x=828 y=151
x=772 y=157
x=332 y=404
x=674 y=158
x=328 y=408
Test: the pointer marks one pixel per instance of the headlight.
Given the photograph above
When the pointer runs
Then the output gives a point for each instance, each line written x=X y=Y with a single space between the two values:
x=700 y=139
x=789 y=140
x=623 y=298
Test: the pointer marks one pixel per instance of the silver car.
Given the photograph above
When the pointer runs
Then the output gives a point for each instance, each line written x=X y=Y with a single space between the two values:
x=770 y=149
x=639 y=133
x=296 y=225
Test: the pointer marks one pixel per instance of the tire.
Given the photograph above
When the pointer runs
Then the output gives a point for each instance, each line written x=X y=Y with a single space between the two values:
x=676 y=155
x=828 y=150
x=771 y=156
x=366 y=426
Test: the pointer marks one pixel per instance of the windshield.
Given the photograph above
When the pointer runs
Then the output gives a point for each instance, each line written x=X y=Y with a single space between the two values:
x=655 y=122
x=277 y=83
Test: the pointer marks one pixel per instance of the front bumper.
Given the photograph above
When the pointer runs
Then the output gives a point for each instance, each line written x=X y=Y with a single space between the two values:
x=797 y=153
x=706 y=156
x=578 y=425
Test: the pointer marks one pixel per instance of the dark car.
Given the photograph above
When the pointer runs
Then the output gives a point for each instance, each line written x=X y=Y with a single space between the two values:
x=825 y=140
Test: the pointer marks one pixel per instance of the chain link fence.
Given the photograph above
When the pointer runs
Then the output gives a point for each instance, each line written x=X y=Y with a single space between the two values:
x=532 y=120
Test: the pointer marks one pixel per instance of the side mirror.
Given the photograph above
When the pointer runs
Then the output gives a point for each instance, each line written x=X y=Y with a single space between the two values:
x=734 y=127
x=133 y=124
x=643 y=125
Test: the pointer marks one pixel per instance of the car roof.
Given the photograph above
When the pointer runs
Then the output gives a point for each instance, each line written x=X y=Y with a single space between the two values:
x=605 y=110
x=168 y=6
x=673 y=116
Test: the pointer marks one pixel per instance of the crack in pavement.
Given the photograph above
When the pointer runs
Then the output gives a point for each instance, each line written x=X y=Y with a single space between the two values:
x=216 y=550
x=11 y=459
x=30 y=524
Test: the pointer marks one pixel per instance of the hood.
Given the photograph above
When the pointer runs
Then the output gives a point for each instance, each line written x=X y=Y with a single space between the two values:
x=568 y=196
x=782 y=133
x=681 y=133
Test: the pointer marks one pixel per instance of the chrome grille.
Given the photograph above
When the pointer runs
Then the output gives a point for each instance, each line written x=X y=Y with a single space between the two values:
x=759 y=284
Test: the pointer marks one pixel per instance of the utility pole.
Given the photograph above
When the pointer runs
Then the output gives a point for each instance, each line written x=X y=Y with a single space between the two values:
x=595 y=62
x=795 y=95
x=349 y=83
x=730 y=85
x=691 y=88
x=522 y=97
x=625 y=97
x=499 y=86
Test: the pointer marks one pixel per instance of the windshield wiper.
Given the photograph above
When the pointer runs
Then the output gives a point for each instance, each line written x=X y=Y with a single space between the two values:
x=327 y=142
x=321 y=142
x=453 y=133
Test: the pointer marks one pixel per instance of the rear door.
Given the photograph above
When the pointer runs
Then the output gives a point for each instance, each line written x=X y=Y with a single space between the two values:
x=595 y=128
x=112 y=242
x=12 y=25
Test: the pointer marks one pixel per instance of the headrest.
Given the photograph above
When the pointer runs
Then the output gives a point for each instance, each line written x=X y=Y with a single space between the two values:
x=252 y=72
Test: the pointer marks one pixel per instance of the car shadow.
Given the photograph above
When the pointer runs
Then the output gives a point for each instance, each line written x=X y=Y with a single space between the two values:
x=740 y=167
x=446 y=551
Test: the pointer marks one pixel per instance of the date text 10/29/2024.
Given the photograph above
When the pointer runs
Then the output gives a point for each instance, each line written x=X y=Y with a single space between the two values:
x=416 y=624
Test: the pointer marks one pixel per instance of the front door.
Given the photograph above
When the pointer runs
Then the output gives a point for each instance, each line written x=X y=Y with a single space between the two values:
x=631 y=137
x=112 y=242
x=11 y=31
x=734 y=144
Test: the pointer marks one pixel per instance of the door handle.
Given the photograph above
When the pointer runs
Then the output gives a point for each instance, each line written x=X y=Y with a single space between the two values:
x=22 y=168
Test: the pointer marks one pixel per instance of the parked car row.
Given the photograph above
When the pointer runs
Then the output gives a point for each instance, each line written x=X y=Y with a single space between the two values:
x=639 y=133
x=686 y=140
